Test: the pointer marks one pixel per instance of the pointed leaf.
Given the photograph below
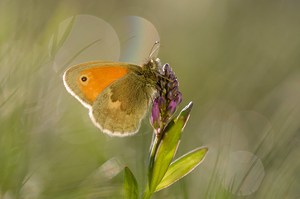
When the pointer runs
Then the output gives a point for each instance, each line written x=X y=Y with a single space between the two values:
x=130 y=185
x=168 y=146
x=182 y=166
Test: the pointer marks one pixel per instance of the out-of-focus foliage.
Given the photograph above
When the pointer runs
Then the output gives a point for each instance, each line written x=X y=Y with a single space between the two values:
x=238 y=61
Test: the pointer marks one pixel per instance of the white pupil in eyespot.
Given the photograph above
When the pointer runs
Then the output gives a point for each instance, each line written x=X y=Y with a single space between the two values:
x=83 y=78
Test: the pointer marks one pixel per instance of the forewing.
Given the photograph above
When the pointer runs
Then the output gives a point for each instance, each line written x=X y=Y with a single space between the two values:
x=98 y=74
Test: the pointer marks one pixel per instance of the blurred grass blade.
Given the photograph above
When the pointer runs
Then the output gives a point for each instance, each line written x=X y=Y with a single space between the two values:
x=8 y=98
x=58 y=42
x=130 y=185
x=168 y=146
x=182 y=166
x=80 y=51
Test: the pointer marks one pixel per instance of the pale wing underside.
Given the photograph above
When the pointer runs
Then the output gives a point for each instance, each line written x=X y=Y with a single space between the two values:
x=119 y=109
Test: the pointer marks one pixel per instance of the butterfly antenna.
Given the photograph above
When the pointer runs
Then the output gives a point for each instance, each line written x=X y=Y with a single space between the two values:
x=154 y=48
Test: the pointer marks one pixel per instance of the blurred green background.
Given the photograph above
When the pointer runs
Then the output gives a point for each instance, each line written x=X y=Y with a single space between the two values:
x=237 y=60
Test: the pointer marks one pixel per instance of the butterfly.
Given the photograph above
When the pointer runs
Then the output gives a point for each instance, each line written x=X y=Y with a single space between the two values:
x=117 y=94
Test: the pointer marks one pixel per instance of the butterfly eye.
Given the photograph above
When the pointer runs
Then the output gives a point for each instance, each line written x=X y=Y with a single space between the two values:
x=153 y=64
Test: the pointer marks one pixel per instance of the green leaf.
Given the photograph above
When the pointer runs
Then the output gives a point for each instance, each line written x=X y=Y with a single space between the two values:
x=168 y=146
x=130 y=185
x=182 y=166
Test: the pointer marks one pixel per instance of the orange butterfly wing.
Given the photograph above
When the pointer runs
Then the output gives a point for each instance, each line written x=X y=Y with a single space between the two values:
x=98 y=79
x=87 y=80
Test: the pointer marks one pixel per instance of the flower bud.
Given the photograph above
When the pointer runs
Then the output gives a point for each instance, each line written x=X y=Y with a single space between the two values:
x=155 y=116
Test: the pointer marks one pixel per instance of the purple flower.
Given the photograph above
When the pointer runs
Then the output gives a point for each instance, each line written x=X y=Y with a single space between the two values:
x=172 y=107
x=155 y=116
x=167 y=100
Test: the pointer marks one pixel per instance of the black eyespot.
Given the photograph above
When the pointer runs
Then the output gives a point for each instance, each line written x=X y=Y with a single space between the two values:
x=83 y=78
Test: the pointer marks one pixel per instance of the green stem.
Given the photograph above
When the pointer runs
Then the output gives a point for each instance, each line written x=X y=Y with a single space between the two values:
x=153 y=150
x=147 y=194
x=154 y=147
